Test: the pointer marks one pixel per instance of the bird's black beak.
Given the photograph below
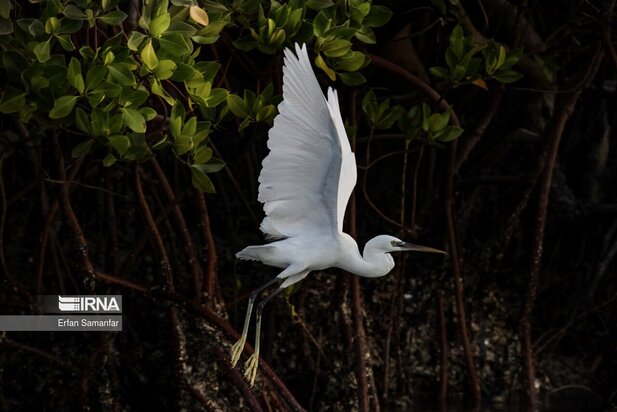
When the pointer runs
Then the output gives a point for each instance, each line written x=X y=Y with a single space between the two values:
x=417 y=248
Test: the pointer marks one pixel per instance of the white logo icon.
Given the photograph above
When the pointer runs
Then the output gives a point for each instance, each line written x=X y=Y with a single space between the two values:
x=87 y=303
x=69 y=304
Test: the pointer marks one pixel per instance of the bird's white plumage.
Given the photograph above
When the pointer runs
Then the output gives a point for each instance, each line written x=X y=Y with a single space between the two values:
x=310 y=172
x=305 y=183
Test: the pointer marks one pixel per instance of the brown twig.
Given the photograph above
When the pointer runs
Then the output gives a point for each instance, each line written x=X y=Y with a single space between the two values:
x=356 y=296
x=154 y=231
x=86 y=262
x=443 y=347
x=172 y=312
x=211 y=277
x=434 y=97
x=110 y=208
x=239 y=381
x=456 y=258
x=554 y=140
x=21 y=347
x=189 y=248
x=213 y=318
x=437 y=100
x=470 y=141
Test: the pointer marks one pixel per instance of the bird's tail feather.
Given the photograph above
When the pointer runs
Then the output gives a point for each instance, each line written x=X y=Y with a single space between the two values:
x=254 y=252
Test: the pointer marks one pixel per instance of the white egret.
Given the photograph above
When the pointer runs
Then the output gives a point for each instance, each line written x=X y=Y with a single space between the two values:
x=305 y=183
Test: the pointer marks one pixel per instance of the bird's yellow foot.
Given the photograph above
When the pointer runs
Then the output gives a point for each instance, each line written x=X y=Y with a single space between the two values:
x=236 y=350
x=250 y=366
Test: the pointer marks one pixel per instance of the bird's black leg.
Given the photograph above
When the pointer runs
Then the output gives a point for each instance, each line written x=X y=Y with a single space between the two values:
x=251 y=364
x=236 y=349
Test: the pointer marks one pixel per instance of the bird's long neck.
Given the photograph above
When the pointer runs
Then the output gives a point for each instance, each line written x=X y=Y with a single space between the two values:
x=371 y=264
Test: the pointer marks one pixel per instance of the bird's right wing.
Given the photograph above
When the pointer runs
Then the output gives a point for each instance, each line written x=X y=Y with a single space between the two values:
x=308 y=176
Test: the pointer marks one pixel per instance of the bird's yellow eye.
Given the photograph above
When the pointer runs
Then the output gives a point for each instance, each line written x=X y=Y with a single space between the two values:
x=394 y=243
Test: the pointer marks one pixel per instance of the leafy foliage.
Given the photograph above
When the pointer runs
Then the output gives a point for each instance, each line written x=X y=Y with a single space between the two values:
x=468 y=62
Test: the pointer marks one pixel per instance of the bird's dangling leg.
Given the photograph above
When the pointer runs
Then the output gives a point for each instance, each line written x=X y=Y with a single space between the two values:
x=236 y=349
x=252 y=363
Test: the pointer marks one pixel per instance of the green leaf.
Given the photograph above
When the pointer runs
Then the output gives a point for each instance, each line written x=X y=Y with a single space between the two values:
x=65 y=42
x=366 y=35
x=507 y=76
x=182 y=27
x=95 y=98
x=214 y=165
x=149 y=56
x=200 y=180
x=336 y=48
x=95 y=76
x=5 y=9
x=321 y=63
x=321 y=24
x=109 y=58
x=36 y=28
x=82 y=121
x=352 y=62
x=110 y=89
x=512 y=57
x=114 y=18
x=449 y=133
x=134 y=119
x=437 y=121
x=76 y=79
x=52 y=25
x=12 y=100
x=176 y=119
x=319 y=4
x=439 y=72
x=216 y=97
x=82 y=149
x=165 y=69
x=183 y=144
x=135 y=40
x=134 y=98
x=245 y=43
x=202 y=154
x=62 y=107
x=73 y=12
x=6 y=26
x=352 y=79
x=120 y=143
x=175 y=44
x=237 y=106
x=266 y=113
x=185 y=72
x=158 y=89
x=159 y=24
x=377 y=17
x=190 y=127
x=42 y=50
x=148 y=113
x=109 y=160
x=426 y=113
x=121 y=73
x=501 y=57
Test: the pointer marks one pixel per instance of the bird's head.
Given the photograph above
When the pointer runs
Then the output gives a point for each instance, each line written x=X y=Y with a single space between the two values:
x=389 y=244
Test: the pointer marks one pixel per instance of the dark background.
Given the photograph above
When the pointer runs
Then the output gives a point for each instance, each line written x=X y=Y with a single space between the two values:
x=532 y=179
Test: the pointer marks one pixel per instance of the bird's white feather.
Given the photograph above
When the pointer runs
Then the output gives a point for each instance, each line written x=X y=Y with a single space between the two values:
x=310 y=172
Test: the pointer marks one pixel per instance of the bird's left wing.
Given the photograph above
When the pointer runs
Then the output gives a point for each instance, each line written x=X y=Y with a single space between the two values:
x=310 y=172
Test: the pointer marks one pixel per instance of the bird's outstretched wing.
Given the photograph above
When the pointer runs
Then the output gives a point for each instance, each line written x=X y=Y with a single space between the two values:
x=308 y=176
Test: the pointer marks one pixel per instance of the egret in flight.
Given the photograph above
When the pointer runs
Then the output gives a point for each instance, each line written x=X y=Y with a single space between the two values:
x=305 y=183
